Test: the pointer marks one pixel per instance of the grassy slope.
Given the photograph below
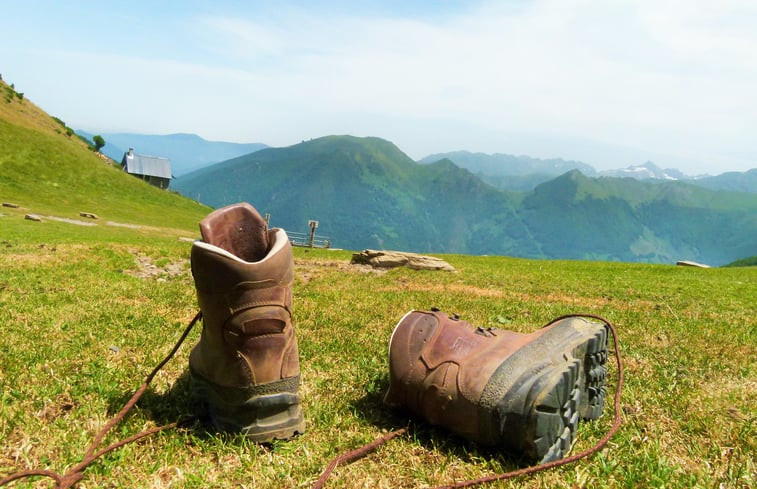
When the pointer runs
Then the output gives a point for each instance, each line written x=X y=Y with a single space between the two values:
x=80 y=332
x=66 y=298
x=48 y=172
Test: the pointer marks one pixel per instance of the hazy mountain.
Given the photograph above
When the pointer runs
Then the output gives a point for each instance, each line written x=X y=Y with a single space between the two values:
x=187 y=152
x=367 y=193
x=509 y=172
x=646 y=171
x=735 y=181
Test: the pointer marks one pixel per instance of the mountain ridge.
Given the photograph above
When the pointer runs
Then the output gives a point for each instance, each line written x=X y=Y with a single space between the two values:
x=367 y=193
x=524 y=173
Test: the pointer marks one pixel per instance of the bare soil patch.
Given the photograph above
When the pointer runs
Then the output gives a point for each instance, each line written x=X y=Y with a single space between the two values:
x=147 y=268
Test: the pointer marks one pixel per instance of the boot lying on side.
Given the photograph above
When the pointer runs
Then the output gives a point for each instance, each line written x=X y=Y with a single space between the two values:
x=521 y=392
x=245 y=369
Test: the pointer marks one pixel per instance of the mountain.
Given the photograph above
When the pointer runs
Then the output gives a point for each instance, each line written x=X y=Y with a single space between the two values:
x=366 y=193
x=508 y=172
x=630 y=220
x=646 y=171
x=44 y=167
x=187 y=152
x=735 y=181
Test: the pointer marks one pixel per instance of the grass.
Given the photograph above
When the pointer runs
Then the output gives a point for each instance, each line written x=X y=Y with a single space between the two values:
x=82 y=327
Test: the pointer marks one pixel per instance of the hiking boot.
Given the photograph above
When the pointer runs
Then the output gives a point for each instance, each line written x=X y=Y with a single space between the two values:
x=521 y=392
x=245 y=369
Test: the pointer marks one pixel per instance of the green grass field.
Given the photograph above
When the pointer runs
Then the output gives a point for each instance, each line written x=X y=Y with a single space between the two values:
x=87 y=312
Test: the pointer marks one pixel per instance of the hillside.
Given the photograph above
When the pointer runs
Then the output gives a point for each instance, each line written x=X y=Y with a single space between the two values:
x=367 y=193
x=630 y=220
x=45 y=167
x=187 y=152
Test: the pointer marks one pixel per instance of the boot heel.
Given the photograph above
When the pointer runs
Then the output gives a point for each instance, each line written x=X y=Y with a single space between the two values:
x=593 y=387
x=540 y=416
x=260 y=415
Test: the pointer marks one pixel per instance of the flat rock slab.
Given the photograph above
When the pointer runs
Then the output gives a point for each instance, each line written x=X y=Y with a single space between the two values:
x=688 y=263
x=10 y=204
x=393 y=259
x=89 y=215
x=33 y=217
x=70 y=221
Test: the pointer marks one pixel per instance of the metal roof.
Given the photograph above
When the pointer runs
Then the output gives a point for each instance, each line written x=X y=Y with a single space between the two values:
x=153 y=166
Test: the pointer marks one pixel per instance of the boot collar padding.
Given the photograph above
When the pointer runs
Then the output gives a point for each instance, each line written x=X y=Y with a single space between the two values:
x=391 y=338
x=279 y=239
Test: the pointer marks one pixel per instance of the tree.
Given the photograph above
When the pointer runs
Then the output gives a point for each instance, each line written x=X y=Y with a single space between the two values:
x=99 y=142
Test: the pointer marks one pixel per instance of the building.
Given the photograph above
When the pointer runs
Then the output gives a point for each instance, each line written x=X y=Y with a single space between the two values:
x=152 y=169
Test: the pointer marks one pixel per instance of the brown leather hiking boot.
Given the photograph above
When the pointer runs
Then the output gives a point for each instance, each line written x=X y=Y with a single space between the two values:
x=245 y=368
x=522 y=392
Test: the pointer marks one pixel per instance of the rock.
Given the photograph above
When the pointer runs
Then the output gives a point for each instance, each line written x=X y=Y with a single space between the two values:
x=89 y=215
x=11 y=205
x=393 y=259
x=123 y=225
x=687 y=263
x=33 y=217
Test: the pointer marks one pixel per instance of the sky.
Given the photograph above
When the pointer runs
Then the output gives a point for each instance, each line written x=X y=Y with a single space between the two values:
x=610 y=83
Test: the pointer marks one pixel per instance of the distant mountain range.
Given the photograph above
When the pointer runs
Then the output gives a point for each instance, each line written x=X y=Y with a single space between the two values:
x=190 y=152
x=366 y=193
x=509 y=172
x=187 y=152
x=523 y=173
x=647 y=171
x=735 y=181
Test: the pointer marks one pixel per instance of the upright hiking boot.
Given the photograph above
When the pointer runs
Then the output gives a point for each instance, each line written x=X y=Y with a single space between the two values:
x=245 y=369
x=521 y=392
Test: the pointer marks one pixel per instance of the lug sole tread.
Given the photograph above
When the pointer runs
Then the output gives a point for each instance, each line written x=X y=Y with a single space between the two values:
x=261 y=418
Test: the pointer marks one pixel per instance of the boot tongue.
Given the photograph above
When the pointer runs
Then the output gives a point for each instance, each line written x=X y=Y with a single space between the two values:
x=238 y=229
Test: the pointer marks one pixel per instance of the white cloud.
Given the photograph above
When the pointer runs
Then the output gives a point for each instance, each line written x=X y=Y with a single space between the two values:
x=672 y=79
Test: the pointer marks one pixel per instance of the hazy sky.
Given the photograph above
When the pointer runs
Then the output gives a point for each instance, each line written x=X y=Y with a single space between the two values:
x=611 y=83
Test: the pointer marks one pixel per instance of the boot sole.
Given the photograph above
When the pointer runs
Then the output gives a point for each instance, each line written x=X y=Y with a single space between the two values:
x=262 y=413
x=540 y=412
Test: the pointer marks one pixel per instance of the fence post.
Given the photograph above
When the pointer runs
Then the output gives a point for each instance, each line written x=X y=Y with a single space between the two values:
x=313 y=226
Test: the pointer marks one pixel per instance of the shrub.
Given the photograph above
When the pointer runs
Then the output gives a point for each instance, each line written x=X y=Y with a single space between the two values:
x=99 y=141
